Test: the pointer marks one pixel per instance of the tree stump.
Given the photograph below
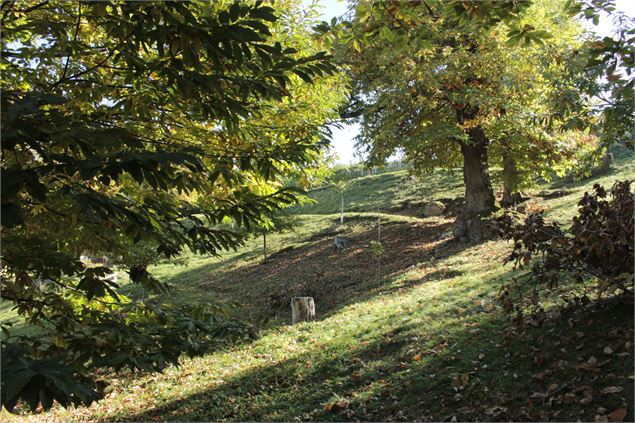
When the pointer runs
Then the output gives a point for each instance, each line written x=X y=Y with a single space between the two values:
x=302 y=309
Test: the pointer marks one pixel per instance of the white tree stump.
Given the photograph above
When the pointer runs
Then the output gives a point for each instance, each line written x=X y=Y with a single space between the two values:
x=302 y=309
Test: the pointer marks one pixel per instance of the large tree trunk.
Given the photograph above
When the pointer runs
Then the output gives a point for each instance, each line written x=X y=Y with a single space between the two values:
x=479 y=196
x=510 y=182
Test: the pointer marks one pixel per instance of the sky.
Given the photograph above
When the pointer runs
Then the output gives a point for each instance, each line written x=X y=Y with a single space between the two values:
x=343 y=142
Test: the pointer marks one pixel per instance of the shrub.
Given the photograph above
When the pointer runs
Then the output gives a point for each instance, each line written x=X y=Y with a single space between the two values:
x=599 y=245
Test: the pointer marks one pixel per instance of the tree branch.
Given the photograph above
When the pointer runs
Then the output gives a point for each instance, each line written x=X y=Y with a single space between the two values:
x=79 y=20
x=110 y=54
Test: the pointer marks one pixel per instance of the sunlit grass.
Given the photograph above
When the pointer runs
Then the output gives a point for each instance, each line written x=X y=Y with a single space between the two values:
x=424 y=342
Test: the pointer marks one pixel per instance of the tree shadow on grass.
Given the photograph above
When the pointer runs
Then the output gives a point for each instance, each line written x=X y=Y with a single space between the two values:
x=335 y=278
x=403 y=370
x=356 y=376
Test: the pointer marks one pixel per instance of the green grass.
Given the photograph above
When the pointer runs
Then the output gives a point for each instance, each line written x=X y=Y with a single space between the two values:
x=419 y=338
x=387 y=191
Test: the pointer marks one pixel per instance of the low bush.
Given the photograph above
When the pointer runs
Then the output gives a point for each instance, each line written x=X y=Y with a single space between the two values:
x=598 y=245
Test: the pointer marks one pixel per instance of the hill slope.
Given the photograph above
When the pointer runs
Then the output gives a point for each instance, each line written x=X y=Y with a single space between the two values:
x=413 y=335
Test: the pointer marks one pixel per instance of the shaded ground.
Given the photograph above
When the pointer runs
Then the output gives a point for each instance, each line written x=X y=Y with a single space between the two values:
x=422 y=339
x=333 y=277
x=402 y=376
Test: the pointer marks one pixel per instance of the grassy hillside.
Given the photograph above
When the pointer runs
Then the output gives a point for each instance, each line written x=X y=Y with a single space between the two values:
x=387 y=191
x=416 y=334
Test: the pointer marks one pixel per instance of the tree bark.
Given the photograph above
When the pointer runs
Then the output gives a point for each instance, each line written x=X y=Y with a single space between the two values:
x=510 y=182
x=264 y=244
x=607 y=161
x=302 y=309
x=479 y=196
x=342 y=208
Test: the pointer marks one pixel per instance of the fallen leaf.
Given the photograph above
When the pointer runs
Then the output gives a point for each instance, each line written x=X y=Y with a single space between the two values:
x=612 y=390
x=592 y=360
x=552 y=387
x=481 y=356
x=539 y=376
x=585 y=389
x=568 y=397
x=496 y=410
x=608 y=350
x=586 y=400
x=416 y=357
x=336 y=406
x=617 y=415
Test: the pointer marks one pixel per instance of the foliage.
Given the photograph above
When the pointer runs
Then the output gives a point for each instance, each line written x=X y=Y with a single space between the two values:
x=598 y=244
x=425 y=341
x=140 y=122
x=610 y=65
x=141 y=254
x=467 y=90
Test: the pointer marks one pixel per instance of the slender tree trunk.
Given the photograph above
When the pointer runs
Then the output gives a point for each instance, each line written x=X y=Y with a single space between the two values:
x=264 y=244
x=510 y=182
x=342 y=208
x=479 y=196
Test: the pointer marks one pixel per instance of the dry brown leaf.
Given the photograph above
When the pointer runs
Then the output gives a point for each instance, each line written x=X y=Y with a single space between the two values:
x=617 y=415
x=585 y=388
x=612 y=390
x=568 y=397
x=539 y=376
x=552 y=387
